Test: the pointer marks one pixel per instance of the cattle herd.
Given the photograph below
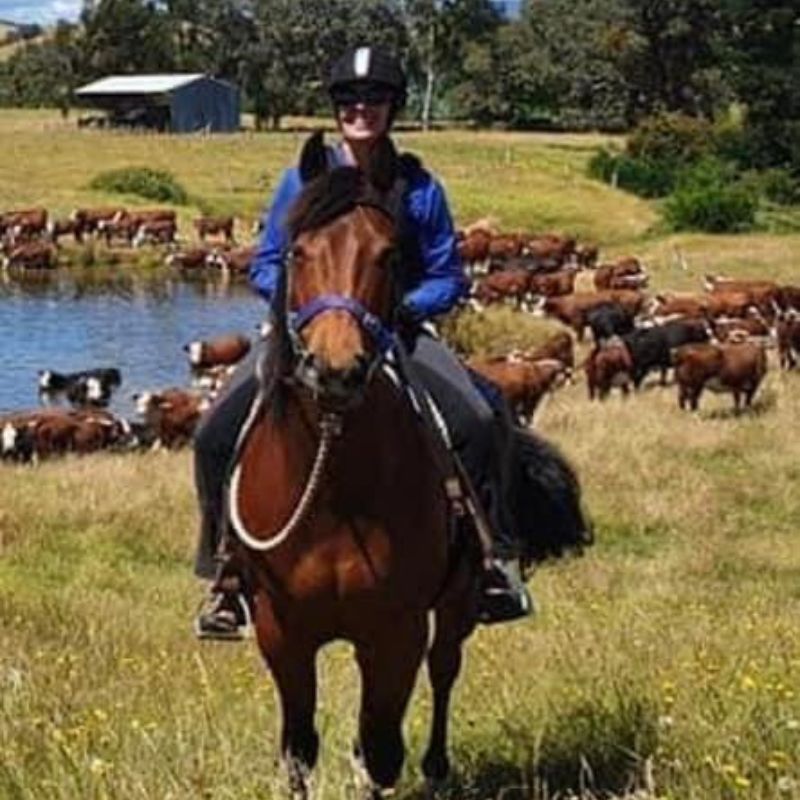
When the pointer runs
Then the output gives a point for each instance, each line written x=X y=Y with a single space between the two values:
x=714 y=339
x=83 y=424
x=31 y=239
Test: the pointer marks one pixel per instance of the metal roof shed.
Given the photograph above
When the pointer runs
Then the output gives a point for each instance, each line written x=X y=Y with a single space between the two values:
x=181 y=103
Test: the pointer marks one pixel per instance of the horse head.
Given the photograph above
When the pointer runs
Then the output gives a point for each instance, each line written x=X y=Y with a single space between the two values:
x=340 y=283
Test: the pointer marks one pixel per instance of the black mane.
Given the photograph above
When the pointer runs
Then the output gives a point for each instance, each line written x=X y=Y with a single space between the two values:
x=329 y=196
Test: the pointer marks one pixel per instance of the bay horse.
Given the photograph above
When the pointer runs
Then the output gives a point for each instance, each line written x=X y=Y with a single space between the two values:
x=341 y=517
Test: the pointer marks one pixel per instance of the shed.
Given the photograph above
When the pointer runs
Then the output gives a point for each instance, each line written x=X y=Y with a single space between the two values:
x=177 y=102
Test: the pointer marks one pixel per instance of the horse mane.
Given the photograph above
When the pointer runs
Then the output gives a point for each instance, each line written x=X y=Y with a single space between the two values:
x=325 y=198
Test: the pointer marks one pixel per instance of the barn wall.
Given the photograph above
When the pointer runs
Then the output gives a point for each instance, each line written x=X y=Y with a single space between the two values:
x=205 y=105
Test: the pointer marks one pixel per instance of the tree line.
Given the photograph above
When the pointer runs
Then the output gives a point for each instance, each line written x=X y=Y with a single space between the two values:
x=564 y=64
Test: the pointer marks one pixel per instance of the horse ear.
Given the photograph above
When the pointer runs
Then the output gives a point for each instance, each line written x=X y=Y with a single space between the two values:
x=384 y=165
x=314 y=157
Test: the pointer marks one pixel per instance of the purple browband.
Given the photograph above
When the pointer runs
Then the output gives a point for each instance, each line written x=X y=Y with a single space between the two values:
x=334 y=302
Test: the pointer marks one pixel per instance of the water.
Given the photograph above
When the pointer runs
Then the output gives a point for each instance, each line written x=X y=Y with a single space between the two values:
x=138 y=323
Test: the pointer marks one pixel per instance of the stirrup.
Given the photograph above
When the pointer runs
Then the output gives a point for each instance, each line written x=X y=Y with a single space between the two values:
x=224 y=623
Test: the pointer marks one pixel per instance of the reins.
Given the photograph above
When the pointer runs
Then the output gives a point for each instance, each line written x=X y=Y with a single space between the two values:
x=330 y=427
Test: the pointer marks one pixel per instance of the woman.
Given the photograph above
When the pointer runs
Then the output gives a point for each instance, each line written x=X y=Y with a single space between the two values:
x=367 y=87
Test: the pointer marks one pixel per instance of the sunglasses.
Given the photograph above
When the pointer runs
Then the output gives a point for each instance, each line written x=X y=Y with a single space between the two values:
x=367 y=94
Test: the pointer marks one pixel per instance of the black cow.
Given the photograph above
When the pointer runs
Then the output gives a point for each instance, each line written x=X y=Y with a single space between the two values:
x=609 y=319
x=650 y=347
x=85 y=387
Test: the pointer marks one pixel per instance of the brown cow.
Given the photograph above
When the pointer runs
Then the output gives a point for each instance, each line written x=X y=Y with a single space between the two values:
x=123 y=228
x=788 y=298
x=89 y=219
x=236 y=261
x=31 y=255
x=586 y=255
x=762 y=294
x=572 y=309
x=56 y=228
x=506 y=246
x=221 y=350
x=736 y=368
x=752 y=325
x=155 y=231
x=553 y=284
x=24 y=224
x=559 y=346
x=171 y=414
x=788 y=334
x=626 y=273
x=214 y=226
x=474 y=247
x=609 y=365
x=193 y=258
x=523 y=383
x=511 y=284
x=550 y=251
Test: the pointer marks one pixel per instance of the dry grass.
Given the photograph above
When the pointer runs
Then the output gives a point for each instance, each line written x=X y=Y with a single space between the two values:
x=666 y=660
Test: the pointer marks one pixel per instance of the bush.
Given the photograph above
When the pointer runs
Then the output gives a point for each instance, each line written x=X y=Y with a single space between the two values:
x=708 y=200
x=153 y=184
x=780 y=186
x=671 y=138
x=645 y=177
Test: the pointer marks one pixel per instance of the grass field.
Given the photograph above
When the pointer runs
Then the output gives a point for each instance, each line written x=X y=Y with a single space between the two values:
x=663 y=664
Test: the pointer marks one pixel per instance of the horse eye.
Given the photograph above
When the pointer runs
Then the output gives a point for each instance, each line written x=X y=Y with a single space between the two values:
x=297 y=252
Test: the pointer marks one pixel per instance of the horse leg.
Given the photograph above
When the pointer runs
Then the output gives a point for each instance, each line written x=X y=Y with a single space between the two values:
x=444 y=664
x=296 y=679
x=388 y=670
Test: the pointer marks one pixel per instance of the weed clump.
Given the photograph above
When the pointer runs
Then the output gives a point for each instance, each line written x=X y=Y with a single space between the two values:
x=152 y=184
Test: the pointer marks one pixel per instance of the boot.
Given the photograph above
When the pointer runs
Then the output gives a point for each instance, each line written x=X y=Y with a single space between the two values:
x=225 y=615
x=504 y=595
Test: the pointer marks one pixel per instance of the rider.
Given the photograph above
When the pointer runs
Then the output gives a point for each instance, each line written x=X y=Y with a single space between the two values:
x=367 y=87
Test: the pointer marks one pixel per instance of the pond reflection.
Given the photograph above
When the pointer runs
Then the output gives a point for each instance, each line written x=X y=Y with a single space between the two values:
x=137 y=321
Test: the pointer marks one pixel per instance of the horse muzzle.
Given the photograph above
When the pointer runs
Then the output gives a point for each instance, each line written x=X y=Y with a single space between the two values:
x=335 y=388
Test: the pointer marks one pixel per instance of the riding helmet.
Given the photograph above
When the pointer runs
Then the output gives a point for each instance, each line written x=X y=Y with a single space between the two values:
x=369 y=65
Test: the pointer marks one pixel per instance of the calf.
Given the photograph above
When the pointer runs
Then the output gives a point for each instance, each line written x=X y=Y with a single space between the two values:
x=607 y=366
x=222 y=350
x=214 y=226
x=651 y=348
x=735 y=368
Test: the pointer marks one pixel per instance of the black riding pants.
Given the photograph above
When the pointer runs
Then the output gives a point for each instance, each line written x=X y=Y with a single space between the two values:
x=475 y=431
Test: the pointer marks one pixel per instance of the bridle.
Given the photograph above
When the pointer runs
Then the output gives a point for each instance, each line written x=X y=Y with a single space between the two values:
x=297 y=319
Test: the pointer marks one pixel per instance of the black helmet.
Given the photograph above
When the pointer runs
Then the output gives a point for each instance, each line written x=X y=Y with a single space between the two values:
x=370 y=66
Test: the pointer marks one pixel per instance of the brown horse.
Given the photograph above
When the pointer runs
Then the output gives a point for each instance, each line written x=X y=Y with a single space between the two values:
x=341 y=514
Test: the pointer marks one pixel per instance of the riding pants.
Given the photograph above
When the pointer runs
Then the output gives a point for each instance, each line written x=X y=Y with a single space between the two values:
x=477 y=435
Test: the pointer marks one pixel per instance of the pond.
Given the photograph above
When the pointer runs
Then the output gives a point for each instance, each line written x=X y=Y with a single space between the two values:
x=136 y=321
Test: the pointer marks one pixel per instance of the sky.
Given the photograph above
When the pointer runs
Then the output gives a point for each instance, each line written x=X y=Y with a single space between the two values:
x=39 y=11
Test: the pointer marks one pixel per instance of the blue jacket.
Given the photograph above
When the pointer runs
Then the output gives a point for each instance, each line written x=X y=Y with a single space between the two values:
x=441 y=281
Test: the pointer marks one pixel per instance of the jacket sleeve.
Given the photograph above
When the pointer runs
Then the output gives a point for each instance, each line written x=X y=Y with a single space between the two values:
x=443 y=282
x=274 y=242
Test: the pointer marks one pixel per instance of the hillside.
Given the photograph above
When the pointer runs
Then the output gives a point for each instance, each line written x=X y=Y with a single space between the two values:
x=665 y=663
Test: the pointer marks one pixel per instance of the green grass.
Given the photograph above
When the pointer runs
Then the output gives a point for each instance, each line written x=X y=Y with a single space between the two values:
x=667 y=660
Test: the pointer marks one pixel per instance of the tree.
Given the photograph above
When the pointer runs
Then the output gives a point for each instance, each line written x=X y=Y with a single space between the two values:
x=440 y=33
x=763 y=49
x=295 y=43
x=126 y=36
